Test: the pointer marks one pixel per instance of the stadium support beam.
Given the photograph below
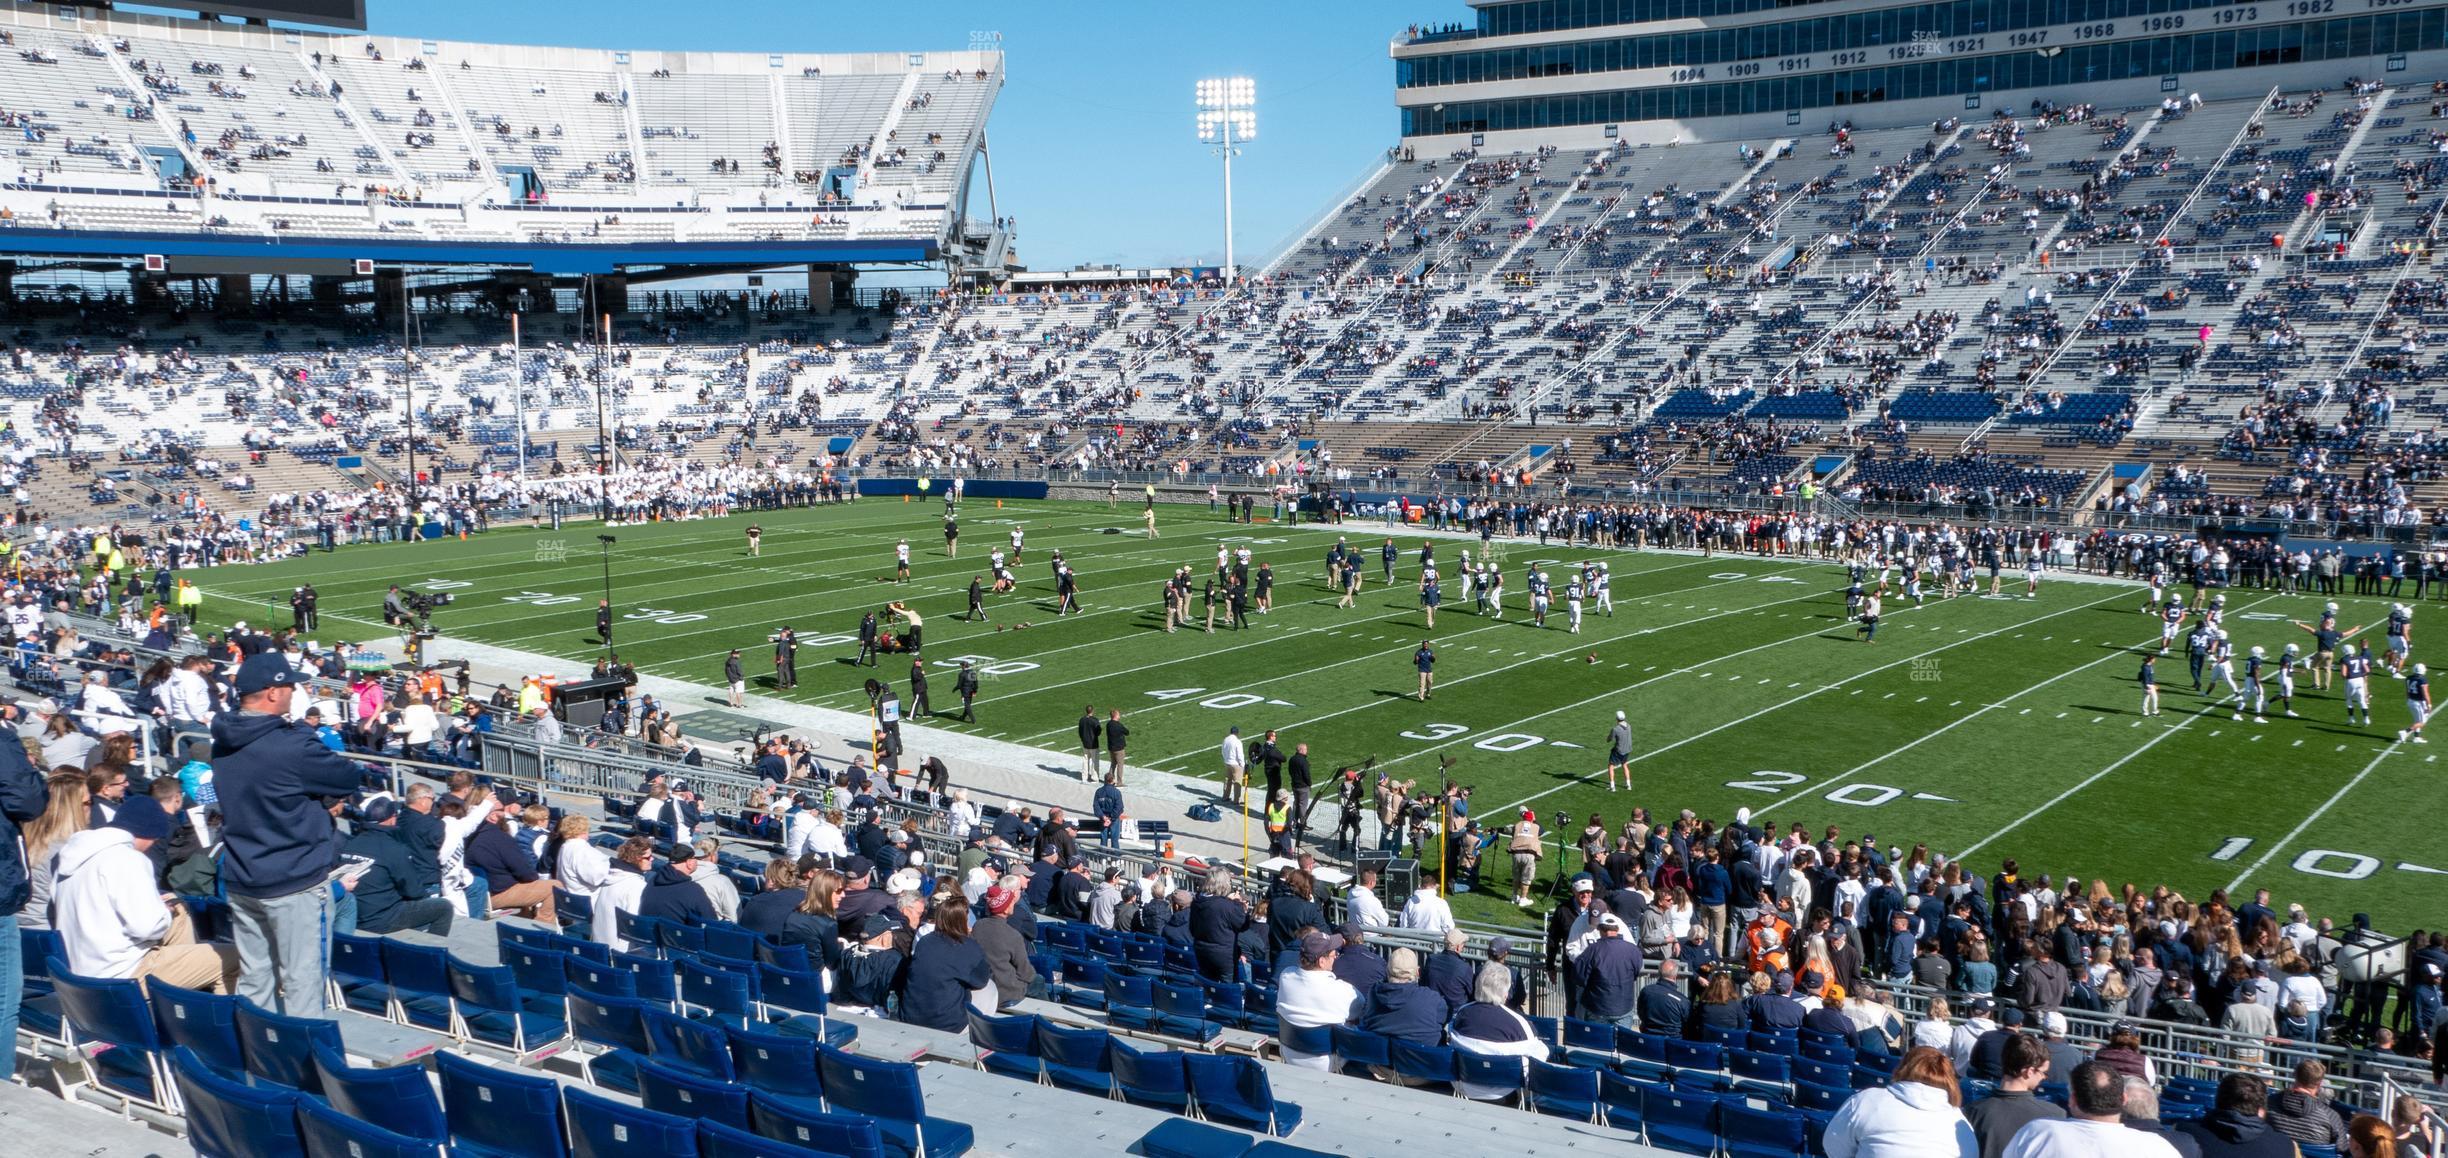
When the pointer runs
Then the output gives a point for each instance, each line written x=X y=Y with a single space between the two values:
x=8 y=281
x=390 y=291
x=234 y=293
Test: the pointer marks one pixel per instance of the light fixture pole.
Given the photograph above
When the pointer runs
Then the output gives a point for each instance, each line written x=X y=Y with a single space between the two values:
x=1227 y=117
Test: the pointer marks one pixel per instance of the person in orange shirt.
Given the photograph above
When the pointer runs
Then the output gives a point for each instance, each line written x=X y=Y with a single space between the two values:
x=1768 y=943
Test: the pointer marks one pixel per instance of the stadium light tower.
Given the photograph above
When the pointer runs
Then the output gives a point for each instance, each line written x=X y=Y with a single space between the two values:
x=1227 y=117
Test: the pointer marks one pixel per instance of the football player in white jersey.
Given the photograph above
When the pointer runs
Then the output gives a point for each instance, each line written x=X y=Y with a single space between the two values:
x=1606 y=592
x=2288 y=663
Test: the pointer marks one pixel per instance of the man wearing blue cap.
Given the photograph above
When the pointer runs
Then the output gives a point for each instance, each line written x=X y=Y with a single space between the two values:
x=278 y=786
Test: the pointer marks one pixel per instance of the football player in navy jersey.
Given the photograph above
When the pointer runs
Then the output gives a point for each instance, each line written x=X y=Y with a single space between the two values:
x=2252 y=691
x=1428 y=594
x=2418 y=703
x=2171 y=622
x=2400 y=638
x=2150 y=684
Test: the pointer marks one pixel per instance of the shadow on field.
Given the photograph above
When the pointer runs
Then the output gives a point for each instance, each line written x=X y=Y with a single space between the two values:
x=1395 y=694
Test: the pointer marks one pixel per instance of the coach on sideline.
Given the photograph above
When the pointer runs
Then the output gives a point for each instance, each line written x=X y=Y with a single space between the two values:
x=277 y=785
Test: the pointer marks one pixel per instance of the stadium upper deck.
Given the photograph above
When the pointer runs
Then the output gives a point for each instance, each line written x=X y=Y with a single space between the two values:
x=1585 y=72
x=134 y=134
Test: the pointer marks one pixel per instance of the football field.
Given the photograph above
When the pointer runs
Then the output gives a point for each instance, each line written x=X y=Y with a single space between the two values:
x=1985 y=727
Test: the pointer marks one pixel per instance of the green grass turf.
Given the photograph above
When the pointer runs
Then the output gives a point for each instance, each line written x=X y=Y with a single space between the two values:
x=1997 y=727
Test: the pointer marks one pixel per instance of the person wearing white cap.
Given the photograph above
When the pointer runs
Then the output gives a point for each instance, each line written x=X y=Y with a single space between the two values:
x=1606 y=977
x=1619 y=751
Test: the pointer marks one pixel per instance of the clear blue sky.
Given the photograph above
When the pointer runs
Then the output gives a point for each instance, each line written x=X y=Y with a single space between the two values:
x=1092 y=137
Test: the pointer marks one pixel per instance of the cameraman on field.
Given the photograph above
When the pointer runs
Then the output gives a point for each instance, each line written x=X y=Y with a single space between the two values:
x=395 y=611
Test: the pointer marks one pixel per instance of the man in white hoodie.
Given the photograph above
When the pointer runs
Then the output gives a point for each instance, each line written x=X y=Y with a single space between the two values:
x=112 y=921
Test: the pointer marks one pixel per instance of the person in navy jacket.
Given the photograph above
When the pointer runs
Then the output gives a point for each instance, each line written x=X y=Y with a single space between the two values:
x=23 y=797
x=278 y=787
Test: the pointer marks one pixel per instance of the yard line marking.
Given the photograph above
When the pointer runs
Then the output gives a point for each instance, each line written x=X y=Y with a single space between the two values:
x=1509 y=667
x=1371 y=656
x=2096 y=777
x=1763 y=711
x=2317 y=813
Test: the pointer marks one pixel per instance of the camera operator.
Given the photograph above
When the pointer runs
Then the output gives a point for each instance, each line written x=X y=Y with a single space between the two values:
x=395 y=610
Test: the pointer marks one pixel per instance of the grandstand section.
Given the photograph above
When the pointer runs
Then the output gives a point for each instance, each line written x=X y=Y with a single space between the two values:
x=1835 y=389
x=138 y=134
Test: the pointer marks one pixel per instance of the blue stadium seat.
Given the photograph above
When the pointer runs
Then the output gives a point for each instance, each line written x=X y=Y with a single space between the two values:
x=618 y=1024
x=720 y=993
x=1151 y=1078
x=1494 y=1071
x=724 y=939
x=652 y=977
x=1765 y=1069
x=715 y=1140
x=793 y=958
x=227 y=1118
x=1679 y=1120
x=1130 y=1000
x=1432 y=1067
x=489 y=1006
x=600 y=978
x=328 y=1132
x=603 y=1128
x=1234 y=1090
x=1357 y=1050
x=1007 y=1045
x=1181 y=1009
x=418 y=983
x=1685 y=1055
x=500 y=1113
x=1589 y=1043
x=1753 y=1133
x=357 y=978
x=1644 y=1046
x=1837 y=1055
x=1076 y=1059
x=777 y=1063
x=1311 y=1041
x=1620 y=1097
x=1564 y=1091
x=800 y=1124
x=1731 y=1037
x=889 y=1093
x=1183 y=1138
x=686 y=1095
x=695 y=1046
x=204 y=1022
x=281 y=1049
x=112 y=1013
x=397 y=1099
x=541 y=972
x=1818 y=1098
